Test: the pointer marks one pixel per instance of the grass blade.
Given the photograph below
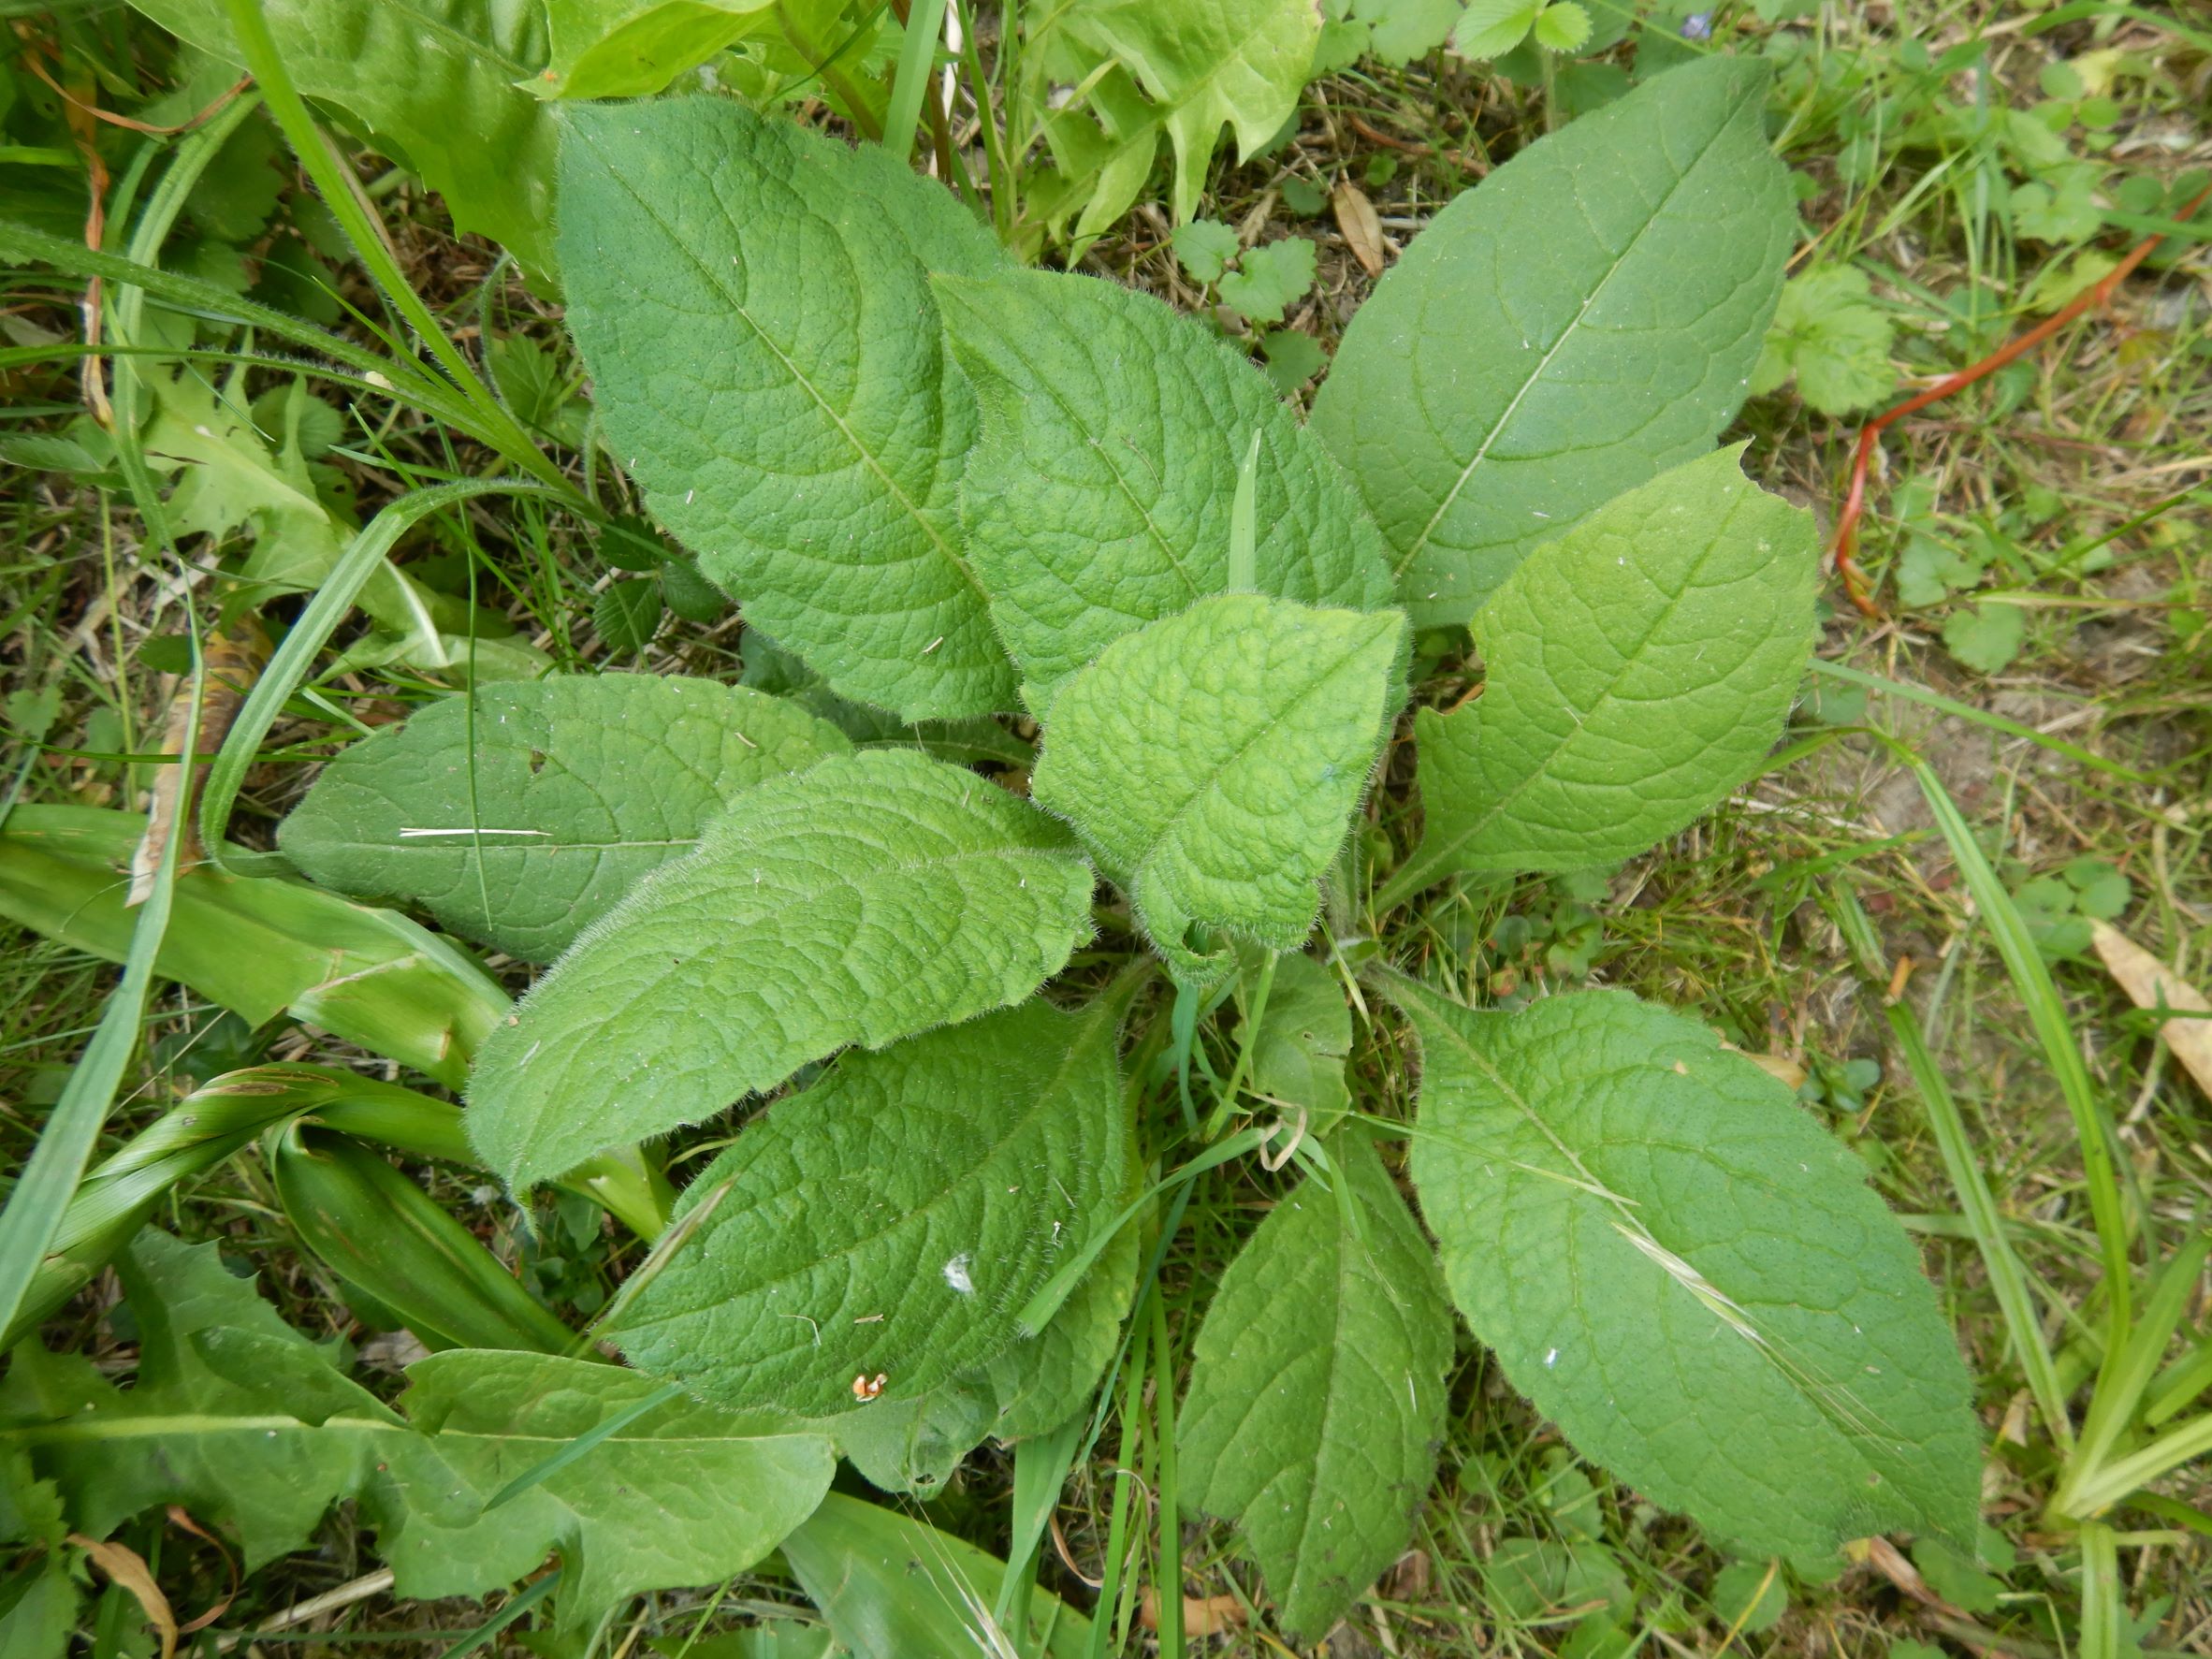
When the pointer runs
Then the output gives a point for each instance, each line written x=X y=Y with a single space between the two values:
x=515 y=1609
x=582 y=1444
x=1980 y=716
x=2046 y=1013
x=50 y=1176
x=917 y=57
x=2008 y=1279
x=341 y=194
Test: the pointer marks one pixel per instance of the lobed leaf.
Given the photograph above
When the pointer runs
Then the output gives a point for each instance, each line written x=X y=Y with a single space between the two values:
x=894 y=1220
x=520 y=817
x=1584 y=318
x=877 y=895
x=1098 y=499
x=684 y=1494
x=1686 y=1274
x=1317 y=1396
x=1635 y=670
x=1212 y=758
x=232 y=1413
x=752 y=301
x=1206 y=63
x=252 y=1426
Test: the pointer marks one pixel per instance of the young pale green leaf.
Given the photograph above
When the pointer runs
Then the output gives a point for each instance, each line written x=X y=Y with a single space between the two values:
x=1829 y=333
x=893 y=1588
x=1316 y=1390
x=1305 y=1031
x=1400 y=31
x=631 y=48
x=1636 y=670
x=754 y=302
x=1099 y=499
x=434 y=81
x=1269 y=280
x=518 y=819
x=1686 y=1274
x=1204 y=247
x=684 y=1494
x=1205 y=63
x=1211 y=759
x=1584 y=318
x=875 y=895
x=894 y=1220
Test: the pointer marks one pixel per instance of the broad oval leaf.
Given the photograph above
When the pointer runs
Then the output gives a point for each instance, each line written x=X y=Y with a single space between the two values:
x=1100 y=498
x=1586 y=316
x=1316 y=1397
x=754 y=302
x=432 y=79
x=1636 y=670
x=872 y=897
x=1686 y=1274
x=1212 y=758
x=519 y=819
x=894 y=1220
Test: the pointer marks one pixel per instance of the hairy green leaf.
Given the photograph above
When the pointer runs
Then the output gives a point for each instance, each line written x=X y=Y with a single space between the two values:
x=1212 y=758
x=913 y=1445
x=1687 y=1274
x=754 y=302
x=872 y=897
x=518 y=818
x=1317 y=1400
x=893 y=1588
x=1206 y=64
x=685 y=1495
x=1637 y=669
x=894 y=1220
x=1585 y=317
x=1305 y=1031
x=434 y=80
x=1100 y=498
x=1032 y=1387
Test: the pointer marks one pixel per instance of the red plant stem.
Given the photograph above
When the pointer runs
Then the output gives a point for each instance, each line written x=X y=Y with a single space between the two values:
x=1854 y=501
